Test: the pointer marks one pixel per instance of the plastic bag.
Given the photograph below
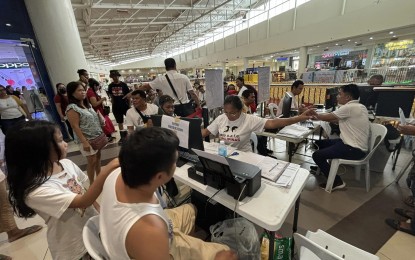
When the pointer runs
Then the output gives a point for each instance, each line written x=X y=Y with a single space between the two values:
x=282 y=248
x=240 y=235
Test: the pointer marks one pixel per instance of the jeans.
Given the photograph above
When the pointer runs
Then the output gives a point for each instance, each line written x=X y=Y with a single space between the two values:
x=334 y=149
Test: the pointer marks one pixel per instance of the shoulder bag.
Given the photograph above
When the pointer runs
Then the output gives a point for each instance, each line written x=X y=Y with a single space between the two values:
x=99 y=142
x=144 y=117
x=182 y=109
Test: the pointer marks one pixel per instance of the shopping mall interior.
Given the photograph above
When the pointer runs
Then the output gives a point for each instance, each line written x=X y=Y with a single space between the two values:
x=324 y=43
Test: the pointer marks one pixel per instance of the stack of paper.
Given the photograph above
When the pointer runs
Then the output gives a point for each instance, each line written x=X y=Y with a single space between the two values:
x=272 y=168
x=294 y=130
x=287 y=177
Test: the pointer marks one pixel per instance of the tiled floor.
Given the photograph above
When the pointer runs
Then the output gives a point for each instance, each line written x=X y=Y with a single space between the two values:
x=351 y=214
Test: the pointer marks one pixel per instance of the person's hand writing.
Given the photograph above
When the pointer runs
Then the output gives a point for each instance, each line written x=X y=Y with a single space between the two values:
x=226 y=255
x=406 y=129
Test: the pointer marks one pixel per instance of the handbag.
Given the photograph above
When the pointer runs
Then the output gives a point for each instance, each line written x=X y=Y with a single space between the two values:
x=182 y=109
x=99 y=142
x=107 y=109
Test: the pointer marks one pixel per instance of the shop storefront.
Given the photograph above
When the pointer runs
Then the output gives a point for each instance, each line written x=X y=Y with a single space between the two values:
x=341 y=59
x=22 y=65
x=395 y=53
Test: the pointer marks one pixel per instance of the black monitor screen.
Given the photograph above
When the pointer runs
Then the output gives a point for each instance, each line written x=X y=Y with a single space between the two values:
x=368 y=97
x=286 y=105
x=389 y=102
x=195 y=135
x=331 y=97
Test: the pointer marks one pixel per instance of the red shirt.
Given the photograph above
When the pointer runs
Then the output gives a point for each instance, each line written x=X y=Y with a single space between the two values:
x=90 y=94
x=63 y=100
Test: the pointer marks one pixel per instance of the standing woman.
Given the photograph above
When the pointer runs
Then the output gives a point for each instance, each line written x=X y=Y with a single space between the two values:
x=83 y=77
x=86 y=126
x=97 y=104
x=10 y=110
x=61 y=103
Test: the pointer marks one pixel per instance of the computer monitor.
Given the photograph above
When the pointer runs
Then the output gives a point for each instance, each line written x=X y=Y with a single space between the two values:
x=195 y=139
x=331 y=97
x=286 y=105
x=390 y=100
x=368 y=97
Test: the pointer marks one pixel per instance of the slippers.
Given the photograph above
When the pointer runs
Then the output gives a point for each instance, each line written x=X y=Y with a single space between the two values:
x=5 y=257
x=410 y=201
x=396 y=224
x=25 y=232
x=404 y=212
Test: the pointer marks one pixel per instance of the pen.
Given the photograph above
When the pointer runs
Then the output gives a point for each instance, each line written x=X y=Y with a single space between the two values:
x=273 y=167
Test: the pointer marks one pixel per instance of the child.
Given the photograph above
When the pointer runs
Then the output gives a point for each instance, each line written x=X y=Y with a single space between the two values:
x=43 y=182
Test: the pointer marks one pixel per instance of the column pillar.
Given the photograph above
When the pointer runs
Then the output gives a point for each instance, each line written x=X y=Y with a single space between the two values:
x=246 y=63
x=223 y=70
x=302 y=63
x=56 y=31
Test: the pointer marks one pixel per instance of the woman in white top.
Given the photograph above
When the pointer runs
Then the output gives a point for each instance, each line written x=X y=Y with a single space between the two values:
x=235 y=127
x=10 y=110
x=51 y=186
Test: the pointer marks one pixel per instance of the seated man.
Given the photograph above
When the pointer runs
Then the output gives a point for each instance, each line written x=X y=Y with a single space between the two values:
x=133 y=225
x=296 y=89
x=354 y=127
x=138 y=115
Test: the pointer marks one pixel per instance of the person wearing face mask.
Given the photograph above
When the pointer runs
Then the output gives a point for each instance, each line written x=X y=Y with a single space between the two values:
x=61 y=103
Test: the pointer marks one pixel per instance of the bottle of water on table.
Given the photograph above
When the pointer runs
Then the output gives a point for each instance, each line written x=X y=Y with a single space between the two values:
x=222 y=149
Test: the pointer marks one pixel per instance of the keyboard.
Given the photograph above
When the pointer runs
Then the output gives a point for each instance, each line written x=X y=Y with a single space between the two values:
x=308 y=124
x=185 y=157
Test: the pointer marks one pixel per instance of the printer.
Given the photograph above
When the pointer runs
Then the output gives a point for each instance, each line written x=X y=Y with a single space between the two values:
x=239 y=178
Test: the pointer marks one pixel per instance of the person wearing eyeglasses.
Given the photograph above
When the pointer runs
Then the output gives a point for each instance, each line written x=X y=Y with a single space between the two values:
x=235 y=127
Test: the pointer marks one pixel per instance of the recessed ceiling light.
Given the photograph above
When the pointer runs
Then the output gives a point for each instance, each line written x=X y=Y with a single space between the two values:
x=371 y=38
x=355 y=42
x=318 y=46
x=391 y=32
x=394 y=36
x=311 y=49
x=8 y=24
x=337 y=44
x=348 y=40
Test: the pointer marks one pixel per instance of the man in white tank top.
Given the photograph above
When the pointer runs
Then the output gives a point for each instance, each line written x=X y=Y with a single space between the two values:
x=133 y=225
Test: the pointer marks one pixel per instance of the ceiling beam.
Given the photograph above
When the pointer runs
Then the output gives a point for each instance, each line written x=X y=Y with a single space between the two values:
x=155 y=7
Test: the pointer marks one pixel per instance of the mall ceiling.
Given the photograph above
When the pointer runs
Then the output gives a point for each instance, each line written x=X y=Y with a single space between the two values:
x=118 y=30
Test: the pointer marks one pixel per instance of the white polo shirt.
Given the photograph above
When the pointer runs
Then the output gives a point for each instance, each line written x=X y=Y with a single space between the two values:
x=354 y=124
x=180 y=82
x=133 y=118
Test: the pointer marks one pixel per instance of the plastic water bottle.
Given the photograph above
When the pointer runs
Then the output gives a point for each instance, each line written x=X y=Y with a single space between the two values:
x=222 y=149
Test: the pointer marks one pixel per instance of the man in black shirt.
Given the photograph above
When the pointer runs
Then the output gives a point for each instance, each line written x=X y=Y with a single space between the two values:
x=117 y=90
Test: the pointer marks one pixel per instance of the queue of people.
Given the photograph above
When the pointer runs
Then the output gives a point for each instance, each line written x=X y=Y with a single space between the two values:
x=54 y=187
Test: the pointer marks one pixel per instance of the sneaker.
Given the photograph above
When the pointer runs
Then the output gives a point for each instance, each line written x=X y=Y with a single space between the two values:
x=314 y=170
x=336 y=186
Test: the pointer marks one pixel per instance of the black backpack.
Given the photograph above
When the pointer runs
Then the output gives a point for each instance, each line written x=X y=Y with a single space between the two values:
x=391 y=134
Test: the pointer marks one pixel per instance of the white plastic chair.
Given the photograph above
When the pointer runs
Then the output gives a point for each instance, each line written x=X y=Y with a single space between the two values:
x=377 y=134
x=323 y=246
x=254 y=142
x=92 y=241
x=271 y=107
